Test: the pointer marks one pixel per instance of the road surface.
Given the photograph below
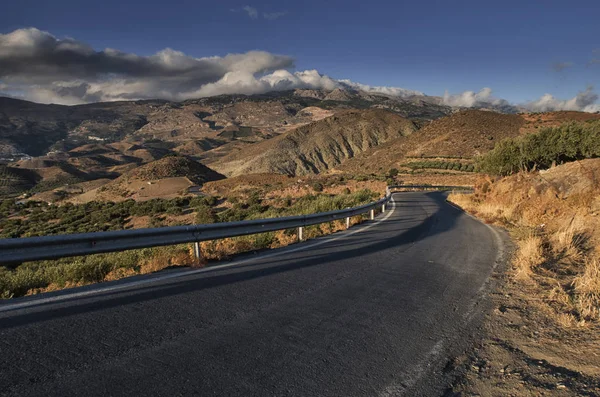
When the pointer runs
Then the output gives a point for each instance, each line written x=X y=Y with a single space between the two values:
x=378 y=310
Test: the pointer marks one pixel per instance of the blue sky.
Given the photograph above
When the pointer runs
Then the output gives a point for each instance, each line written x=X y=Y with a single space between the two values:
x=430 y=46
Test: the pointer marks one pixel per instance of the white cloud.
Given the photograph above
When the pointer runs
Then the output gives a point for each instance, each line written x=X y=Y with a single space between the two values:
x=279 y=80
x=251 y=11
x=271 y=16
x=584 y=101
x=392 y=91
x=471 y=99
x=37 y=66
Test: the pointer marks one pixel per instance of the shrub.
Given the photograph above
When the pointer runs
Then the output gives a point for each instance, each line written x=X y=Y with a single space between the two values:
x=97 y=216
x=317 y=187
x=557 y=145
x=205 y=215
x=254 y=198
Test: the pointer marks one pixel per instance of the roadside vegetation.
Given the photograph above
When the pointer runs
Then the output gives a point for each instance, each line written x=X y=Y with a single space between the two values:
x=440 y=165
x=36 y=219
x=542 y=336
x=552 y=211
x=553 y=217
x=551 y=146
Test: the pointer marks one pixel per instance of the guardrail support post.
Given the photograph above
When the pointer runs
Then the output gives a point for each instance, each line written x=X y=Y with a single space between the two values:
x=197 y=252
x=383 y=208
x=347 y=222
x=301 y=233
x=372 y=214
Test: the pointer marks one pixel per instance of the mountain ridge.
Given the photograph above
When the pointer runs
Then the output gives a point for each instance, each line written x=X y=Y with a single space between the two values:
x=318 y=146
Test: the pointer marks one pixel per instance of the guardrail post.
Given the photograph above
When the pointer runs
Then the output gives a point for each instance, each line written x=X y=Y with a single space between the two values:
x=372 y=214
x=17 y=250
x=197 y=252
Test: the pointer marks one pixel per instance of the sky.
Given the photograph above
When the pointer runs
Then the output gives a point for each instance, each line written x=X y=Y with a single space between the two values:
x=543 y=54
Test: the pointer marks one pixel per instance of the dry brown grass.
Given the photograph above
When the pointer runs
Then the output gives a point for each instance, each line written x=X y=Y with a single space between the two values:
x=554 y=218
x=216 y=250
x=587 y=289
x=529 y=255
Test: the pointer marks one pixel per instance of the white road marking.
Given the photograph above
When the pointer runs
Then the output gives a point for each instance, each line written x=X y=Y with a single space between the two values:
x=127 y=285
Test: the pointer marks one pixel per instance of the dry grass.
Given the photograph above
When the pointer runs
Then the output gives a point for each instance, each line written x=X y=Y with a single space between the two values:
x=553 y=216
x=587 y=289
x=529 y=255
x=568 y=243
x=217 y=250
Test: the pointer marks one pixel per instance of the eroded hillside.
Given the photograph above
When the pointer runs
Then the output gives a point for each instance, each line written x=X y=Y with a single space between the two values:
x=463 y=134
x=318 y=146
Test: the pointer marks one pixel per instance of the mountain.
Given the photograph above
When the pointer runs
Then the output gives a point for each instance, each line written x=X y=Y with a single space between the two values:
x=34 y=129
x=31 y=129
x=16 y=181
x=74 y=150
x=318 y=146
x=464 y=134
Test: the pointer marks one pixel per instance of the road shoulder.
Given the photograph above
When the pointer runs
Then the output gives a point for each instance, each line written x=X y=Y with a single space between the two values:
x=521 y=352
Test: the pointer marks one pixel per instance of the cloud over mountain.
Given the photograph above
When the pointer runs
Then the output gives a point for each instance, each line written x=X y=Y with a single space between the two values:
x=41 y=66
x=584 y=101
x=38 y=66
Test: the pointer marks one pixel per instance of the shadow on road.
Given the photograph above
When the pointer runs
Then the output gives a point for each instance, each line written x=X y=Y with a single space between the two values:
x=439 y=217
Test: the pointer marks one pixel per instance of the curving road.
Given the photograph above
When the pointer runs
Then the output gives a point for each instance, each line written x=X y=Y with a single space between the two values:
x=378 y=310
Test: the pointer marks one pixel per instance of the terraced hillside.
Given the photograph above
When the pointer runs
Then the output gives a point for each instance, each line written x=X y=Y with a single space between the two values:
x=14 y=181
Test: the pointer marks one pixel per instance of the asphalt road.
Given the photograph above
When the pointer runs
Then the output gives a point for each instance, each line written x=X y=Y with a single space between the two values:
x=378 y=310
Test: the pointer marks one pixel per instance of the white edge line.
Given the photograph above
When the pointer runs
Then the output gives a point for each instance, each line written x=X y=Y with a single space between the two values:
x=127 y=285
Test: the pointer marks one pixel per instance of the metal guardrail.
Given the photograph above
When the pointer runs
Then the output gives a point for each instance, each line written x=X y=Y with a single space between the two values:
x=59 y=246
x=430 y=187
x=19 y=250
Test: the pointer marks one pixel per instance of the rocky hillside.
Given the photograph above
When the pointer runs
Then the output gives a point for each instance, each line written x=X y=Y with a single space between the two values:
x=31 y=129
x=318 y=146
x=35 y=129
x=464 y=134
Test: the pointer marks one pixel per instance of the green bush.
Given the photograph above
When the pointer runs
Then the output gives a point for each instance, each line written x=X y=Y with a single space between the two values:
x=557 y=145
x=440 y=165
x=86 y=269
x=96 y=216
x=205 y=215
x=317 y=187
